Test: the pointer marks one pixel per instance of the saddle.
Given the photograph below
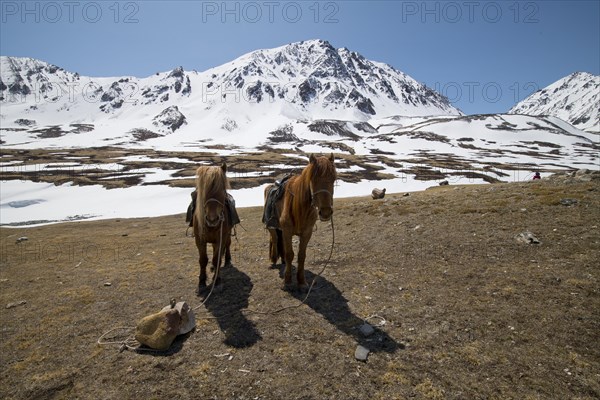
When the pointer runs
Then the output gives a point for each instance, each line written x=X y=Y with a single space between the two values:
x=270 y=216
x=229 y=205
x=158 y=331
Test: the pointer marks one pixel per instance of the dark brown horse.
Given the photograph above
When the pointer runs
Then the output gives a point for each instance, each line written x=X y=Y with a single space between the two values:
x=211 y=220
x=307 y=197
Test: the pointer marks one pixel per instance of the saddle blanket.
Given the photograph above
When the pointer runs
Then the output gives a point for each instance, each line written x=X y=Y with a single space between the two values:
x=270 y=216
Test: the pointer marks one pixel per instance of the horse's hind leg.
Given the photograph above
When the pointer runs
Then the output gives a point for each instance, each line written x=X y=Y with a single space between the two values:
x=304 y=239
x=274 y=246
x=228 y=262
x=289 y=257
x=280 y=247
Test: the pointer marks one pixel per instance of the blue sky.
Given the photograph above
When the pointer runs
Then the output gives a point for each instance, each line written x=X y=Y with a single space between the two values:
x=483 y=55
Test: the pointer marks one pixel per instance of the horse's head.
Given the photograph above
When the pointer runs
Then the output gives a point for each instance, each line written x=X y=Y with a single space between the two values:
x=321 y=185
x=214 y=197
x=214 y=212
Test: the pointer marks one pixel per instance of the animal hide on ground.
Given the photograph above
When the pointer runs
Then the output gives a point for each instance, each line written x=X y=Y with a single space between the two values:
x=158 y=331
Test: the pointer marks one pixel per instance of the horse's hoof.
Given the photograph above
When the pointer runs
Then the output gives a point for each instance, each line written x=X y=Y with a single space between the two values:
x=228 y=264
x=303 y=288
x=287 y=287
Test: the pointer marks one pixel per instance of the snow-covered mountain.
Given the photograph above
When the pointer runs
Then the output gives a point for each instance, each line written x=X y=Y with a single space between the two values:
x=574 y=98
x=300 y=81
x=149 y=134
x=313 y=76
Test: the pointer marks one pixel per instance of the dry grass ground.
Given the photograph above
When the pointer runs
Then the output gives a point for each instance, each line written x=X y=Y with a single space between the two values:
x=469 y=311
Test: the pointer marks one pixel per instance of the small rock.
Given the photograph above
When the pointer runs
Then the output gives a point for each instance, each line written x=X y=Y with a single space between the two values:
x=444 y=183
x=366 y=330
x=568 y=202
x=378 y=193
x=22 y=239
x=361 y=353
x=527 y=237
x=16 y=304
x=107 y=284
x=406 y=194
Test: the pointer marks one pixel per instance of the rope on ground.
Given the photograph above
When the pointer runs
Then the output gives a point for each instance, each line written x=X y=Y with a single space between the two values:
x=130 y=343
x=382 y=321
x=278 y=310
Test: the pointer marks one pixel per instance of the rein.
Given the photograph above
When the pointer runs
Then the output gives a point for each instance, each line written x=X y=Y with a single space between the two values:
x=278 y=310
x=212 y=287
x=130 y=343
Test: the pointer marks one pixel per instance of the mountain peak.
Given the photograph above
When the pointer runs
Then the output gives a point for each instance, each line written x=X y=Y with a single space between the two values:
x=574 y=98
x=314 y=75
x=301 y=81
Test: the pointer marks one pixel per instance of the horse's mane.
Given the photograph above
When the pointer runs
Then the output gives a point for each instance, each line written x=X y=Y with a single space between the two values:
x=299 y=186
x=211 y=182
x=322 y=167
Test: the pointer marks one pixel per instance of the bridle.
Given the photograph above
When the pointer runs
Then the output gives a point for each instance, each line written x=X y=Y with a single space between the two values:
x=312 y=196
x=221 y=215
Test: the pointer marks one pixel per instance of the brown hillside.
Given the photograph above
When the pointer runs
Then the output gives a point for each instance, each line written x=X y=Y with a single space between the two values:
x=466 y=310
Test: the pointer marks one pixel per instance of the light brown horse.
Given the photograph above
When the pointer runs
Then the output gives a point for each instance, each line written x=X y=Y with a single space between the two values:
x=211 y=220
x=307 y=196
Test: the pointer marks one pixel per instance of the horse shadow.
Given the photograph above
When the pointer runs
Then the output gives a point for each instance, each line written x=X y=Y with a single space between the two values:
x=226 y=304
x=328 y=301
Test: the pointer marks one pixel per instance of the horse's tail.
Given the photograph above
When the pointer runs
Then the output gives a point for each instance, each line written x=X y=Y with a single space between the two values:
x=267 y=191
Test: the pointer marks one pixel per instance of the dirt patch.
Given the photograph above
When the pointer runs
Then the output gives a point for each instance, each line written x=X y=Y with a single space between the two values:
x=466 y=310
x=114 y=167
x=140 y=134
